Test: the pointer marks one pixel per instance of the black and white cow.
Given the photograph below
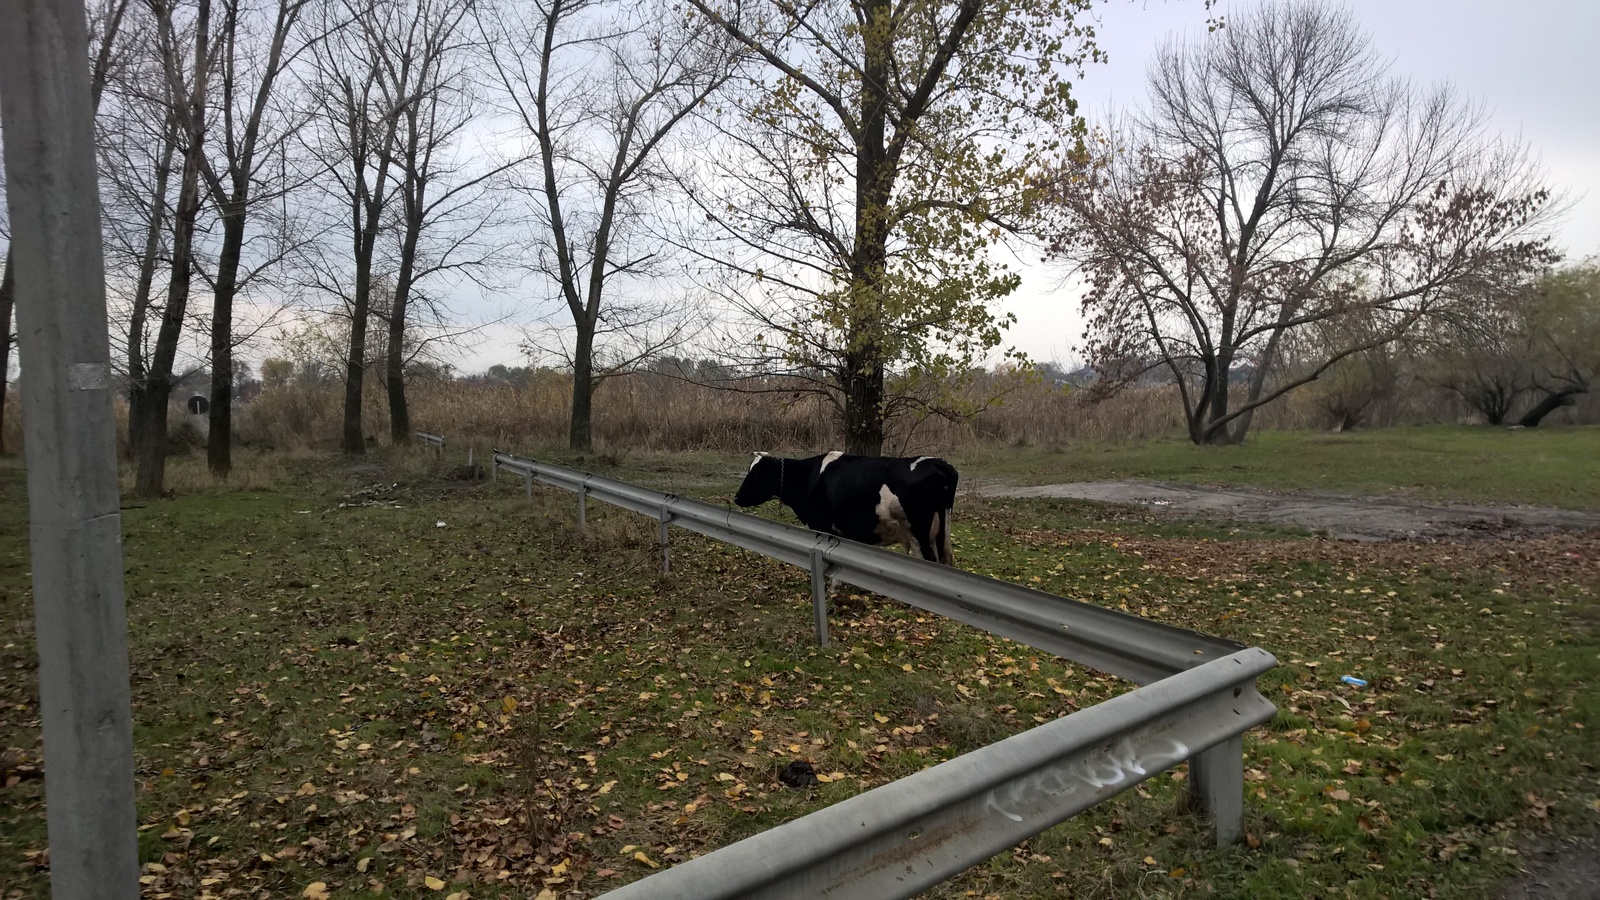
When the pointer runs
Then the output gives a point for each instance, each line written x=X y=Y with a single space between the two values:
x=871 y=499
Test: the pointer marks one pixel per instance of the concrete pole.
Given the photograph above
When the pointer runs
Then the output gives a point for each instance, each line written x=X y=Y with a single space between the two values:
x=75 y=532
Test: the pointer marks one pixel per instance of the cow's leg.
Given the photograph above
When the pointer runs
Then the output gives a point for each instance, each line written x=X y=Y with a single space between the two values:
x=893 y=525
x=922 y=533
x=938 y=539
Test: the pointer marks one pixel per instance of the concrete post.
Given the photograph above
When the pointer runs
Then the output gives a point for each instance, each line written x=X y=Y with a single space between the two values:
x=75 y=531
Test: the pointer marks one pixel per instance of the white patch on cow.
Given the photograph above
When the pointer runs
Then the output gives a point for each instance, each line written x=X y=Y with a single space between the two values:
x=759 y=457
x=893 y=525
x=829 y=458
x=917 y=460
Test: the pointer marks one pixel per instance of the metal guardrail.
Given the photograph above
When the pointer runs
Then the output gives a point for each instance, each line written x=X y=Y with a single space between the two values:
x=1140 y=650
x=911 y=834
x=903 y=837
x=436 y=441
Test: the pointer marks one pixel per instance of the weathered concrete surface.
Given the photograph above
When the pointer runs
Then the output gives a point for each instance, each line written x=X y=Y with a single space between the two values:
x=1348 y=518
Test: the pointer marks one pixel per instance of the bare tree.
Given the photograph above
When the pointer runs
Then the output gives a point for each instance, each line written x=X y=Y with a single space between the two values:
x=877 y=153
x=1281 y=180
x=361 y=109
x=252 y=134
x=446 y=203
x=187 y=84
x=599 y=86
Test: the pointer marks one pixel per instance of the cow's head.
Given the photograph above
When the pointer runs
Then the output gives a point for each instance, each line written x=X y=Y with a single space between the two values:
x=763 y=482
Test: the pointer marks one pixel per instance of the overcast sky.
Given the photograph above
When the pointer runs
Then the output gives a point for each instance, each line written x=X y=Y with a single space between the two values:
x=1533 y=64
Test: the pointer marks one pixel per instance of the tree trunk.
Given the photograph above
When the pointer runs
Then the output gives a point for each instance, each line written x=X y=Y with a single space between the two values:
x=395 y=366
x=580 y=435
x=863 y=408
x=152 y=441
x=863 y=375
x=1216 y=402
x=6 y=301
x=355 y=361
x=1552 y=401
x=399 y=412
x=219 y=438
x=137 y=400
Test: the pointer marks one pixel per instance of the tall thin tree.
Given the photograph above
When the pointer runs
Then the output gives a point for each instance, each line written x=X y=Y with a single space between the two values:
x=249 y=138
x=187 y=87
x=362 y=102
x=599 y=87
x=445 y=202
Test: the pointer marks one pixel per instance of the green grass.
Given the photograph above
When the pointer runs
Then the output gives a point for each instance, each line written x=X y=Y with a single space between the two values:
x=448 y=682
x=1545 y=466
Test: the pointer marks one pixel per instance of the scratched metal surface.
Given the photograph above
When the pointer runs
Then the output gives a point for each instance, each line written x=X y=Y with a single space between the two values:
x=911 y=834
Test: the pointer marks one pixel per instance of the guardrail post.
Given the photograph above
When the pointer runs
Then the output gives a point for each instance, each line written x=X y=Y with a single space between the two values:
x=666 y=552
x=1216 y=786
x=528 y=475
x=472 y=465
x=494 y=465
x=819 y=595
x=583 y=503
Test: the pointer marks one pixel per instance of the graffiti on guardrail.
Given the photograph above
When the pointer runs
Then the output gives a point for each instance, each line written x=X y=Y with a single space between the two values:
x=1095 y=771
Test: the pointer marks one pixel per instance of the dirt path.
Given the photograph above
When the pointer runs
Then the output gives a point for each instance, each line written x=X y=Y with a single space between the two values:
x=1346 y=518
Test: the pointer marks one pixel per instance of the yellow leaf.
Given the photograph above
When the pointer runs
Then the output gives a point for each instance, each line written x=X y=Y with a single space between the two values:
x=907 y=667
x=306 y=790
x=560 y=868
x=316 y=890
x=362 y=865
x=546 y=894
x=880 y=718
x=606 y=788
x=646 y=860
x=509 y=704
x=825 y=779
x=434 y=884
x=1176 y=873
x=1149 y=860
x=183 y=817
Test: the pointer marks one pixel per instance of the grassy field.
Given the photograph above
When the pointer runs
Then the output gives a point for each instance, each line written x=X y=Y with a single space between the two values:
x=1548 y=467
x=373 y=679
